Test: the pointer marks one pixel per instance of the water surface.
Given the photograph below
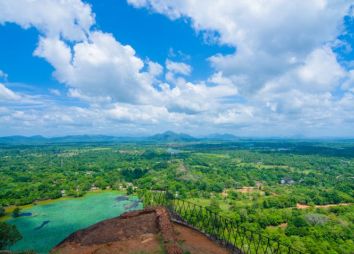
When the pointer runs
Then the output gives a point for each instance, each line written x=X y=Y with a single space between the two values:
x=48 y=224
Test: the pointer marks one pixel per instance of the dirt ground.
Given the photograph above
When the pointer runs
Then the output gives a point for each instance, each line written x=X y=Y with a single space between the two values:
x=196 y=243
x=302 y=206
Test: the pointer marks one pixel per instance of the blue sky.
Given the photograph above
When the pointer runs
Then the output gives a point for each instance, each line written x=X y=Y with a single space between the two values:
x=137 y=67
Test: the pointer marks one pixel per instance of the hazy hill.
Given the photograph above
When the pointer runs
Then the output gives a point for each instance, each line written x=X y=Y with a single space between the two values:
x=167 y=136
x=170 y=136
x=64 y=139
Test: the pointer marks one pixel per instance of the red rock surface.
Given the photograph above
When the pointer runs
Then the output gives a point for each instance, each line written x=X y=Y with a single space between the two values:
x=144 y=231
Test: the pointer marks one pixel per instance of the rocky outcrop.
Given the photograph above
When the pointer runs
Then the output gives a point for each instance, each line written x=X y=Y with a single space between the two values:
x=145 y=231
x=129 y=227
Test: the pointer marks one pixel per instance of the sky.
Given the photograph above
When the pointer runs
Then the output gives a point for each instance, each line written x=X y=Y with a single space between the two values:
x=258 y=68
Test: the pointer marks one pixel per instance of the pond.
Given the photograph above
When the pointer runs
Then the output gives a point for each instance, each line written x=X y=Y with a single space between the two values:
x=45 y=225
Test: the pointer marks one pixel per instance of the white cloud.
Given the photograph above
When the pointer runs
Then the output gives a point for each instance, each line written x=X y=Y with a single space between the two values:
x=147 y=114
x=194 y=98
x=93 y=100
x=283 y=67
x=296 y=112
x=100 y=67
x=70 y=19
x=178 y=68
x=237 y=115
x=154 y=69
x=271 y=37
x=303 y=95
x=349 y=83
x=7 y=94
x=102 y=70
x=319 y=73
x=321 y=70
x=175 y=70
x=219 y=79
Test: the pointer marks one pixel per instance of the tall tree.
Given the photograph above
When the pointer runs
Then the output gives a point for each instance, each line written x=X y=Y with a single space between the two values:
x=8 y=235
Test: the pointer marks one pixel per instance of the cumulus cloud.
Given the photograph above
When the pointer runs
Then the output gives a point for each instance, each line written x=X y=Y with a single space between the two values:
x=154 y=69
x=70 y=19
x=144 y=114
x=100 y=67
x=100 y=70
x=97 y=68
x=175 y=70
x=271 y=37
x=178 y=67
x=304 y=94
x=319 y=73
x=194 y=98
x=237 y=115
x=283 y=66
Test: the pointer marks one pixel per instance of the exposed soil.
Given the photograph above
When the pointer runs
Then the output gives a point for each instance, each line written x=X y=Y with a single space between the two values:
x=302 y=206
x=145 y=231
x=244 y=190
x=224 y=194
x=283 y=225
x=247 y=190
x=196 y=243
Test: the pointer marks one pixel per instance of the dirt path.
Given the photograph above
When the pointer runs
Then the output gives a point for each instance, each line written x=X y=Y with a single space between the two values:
x=182 y=168
x=183 y=173
x=302 y=206
x=247 y=189
x=282 y=225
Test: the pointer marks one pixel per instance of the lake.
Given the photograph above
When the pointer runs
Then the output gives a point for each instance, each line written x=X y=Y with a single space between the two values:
x=45 y=225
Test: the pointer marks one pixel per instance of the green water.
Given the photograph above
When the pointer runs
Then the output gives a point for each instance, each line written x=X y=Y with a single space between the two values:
x=51 y=223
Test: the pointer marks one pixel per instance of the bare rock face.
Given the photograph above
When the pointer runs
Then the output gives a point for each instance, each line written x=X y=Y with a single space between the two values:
x=144 y=231
x=131 y=230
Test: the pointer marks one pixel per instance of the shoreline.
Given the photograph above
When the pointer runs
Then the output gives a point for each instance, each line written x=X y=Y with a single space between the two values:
x=9 y=209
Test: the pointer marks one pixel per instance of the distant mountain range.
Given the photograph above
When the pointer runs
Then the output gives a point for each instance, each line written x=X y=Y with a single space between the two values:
x=170 y=136
x=64 y=139
x=167 y=136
